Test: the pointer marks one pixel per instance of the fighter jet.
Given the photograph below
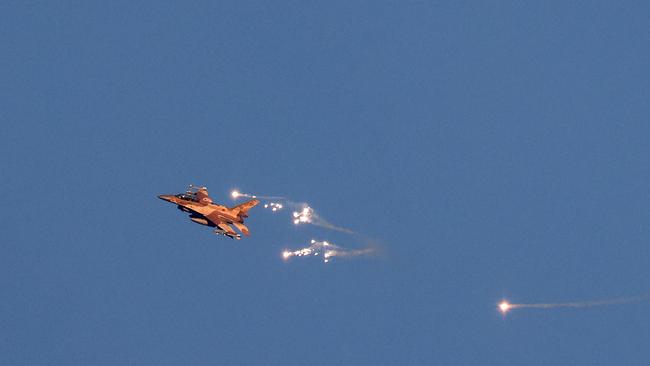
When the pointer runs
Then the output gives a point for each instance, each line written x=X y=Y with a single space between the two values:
x=202 y=210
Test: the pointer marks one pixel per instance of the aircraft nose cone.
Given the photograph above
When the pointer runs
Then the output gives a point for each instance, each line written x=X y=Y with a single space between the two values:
x=164 y=197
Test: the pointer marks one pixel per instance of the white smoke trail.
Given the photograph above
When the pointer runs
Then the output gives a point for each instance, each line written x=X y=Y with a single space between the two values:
x=505 y=306
x=326 y=250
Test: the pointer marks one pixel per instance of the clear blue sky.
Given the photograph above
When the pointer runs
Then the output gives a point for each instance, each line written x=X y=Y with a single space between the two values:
x=494 y=149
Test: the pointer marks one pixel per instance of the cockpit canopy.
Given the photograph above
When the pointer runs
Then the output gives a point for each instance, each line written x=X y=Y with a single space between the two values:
x=195 y=194
x=187 y=197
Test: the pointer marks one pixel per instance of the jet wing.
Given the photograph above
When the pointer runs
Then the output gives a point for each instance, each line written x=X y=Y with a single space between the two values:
x=228 y=231
x=242 y=228
x=226 y=228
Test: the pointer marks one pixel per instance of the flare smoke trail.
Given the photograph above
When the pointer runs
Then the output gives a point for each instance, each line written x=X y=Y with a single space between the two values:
x=328 y=251
x=506 y=306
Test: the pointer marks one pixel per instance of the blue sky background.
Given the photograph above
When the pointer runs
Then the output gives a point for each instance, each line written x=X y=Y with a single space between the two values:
x=493 y=149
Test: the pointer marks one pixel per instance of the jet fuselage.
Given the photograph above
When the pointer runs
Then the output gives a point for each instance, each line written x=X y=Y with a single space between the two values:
x=206 y=210
x=203 y=211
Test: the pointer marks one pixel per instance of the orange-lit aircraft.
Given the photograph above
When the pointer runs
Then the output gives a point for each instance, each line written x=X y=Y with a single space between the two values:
x=198 y=204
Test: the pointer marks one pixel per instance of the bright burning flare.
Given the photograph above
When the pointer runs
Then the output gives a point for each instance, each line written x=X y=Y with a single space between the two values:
x=504 y=306
x=235 y=194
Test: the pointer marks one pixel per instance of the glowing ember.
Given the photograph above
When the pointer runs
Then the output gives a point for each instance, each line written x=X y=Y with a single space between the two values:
x=504 y=306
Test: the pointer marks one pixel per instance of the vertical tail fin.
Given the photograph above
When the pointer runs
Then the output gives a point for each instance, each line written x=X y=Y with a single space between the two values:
x=242 y=210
